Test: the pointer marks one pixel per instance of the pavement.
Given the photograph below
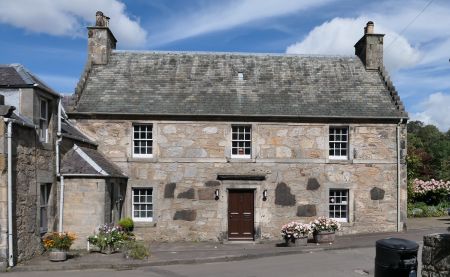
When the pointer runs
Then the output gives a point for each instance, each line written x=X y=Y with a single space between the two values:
x=175 y=253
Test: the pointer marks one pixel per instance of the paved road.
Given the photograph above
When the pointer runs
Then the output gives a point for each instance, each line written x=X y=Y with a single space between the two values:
x=335 y=263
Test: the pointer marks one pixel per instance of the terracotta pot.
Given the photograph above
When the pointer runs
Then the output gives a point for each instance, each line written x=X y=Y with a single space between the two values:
x=324 y=236
x=57 y=255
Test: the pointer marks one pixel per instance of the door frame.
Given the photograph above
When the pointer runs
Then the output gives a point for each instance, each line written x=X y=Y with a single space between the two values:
x=253 y=190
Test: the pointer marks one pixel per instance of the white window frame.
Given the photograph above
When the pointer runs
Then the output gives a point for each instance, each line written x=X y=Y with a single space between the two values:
x=148 y=140
x=44 y=196
x=332 y=132
x=138 y=218
x=241 y=156
x=336 y=198
x=43 y=121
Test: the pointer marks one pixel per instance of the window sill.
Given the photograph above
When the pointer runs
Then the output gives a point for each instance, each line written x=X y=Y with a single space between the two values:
x=142 y=159
x=144 y=224
x=338 y=161
x=240 y=160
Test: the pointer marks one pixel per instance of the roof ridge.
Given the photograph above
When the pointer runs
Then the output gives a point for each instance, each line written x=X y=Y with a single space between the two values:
x=232 y=53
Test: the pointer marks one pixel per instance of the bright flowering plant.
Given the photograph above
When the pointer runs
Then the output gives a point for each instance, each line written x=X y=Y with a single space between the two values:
x=60 y=241
x=324 y=223
x=295 y=230
x=431 y=192
x=109 y=235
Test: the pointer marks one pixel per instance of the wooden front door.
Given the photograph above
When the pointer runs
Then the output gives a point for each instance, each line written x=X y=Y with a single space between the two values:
x=241 y=215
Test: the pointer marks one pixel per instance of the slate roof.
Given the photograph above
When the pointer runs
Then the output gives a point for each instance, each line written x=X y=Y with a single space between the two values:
x=16 y=75
x=82 y=160
x=70 y=131
x=171 y=83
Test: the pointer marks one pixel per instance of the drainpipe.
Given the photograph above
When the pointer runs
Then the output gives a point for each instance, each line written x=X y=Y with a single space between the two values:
x=58 y=171
x=61 y=204
x=10 y=213
x=59 y=138
x=399 y=229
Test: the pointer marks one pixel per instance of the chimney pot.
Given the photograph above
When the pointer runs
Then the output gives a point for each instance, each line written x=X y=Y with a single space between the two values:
x=369 y=28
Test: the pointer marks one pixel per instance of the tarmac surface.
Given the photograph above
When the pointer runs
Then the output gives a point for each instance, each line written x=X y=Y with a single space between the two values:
x=176 y=253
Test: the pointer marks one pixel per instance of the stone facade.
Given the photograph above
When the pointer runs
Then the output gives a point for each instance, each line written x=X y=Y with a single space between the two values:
x=436 y=255
x=293 y=159
x=33 y=165
x=90 y=203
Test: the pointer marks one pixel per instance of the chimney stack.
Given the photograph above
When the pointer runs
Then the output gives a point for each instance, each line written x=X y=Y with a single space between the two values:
x=370 y=48
x=101 y=40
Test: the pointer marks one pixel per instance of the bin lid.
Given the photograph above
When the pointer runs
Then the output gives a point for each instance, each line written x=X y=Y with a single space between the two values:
x=397 y=243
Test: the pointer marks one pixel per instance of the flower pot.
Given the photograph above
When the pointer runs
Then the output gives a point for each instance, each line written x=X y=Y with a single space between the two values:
x=108 y=250
x=294 y=242
x=324 y=236
x=303 y=241
x=57 y=255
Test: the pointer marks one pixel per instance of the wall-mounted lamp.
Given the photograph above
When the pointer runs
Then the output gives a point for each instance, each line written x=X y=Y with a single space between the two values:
x=216 y=194
x=264 y=195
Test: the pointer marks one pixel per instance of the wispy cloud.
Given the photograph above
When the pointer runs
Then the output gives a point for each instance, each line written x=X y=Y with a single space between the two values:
x=340 y=34
x=222 y=16
x=435 y=110
x=69 y=17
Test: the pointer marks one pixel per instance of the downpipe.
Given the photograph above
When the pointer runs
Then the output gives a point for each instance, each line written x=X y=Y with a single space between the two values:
x=399 y=228
x=10 y=206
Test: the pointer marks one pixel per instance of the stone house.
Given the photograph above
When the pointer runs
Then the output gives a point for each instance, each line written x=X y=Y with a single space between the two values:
x=28 y=119
x=230 y=146
x=36 y=132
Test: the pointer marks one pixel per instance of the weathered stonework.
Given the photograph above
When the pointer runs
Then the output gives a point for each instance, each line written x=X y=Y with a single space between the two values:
x=188 y=194
x=188 y=215
x=283 y=196
x=173 y=170
x=306 y=210
x=312 y=184
x=33 y=165
x=436 y=255
x=169 y=190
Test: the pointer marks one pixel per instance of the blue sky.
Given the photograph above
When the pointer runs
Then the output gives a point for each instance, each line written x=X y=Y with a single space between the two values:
x=49 y=37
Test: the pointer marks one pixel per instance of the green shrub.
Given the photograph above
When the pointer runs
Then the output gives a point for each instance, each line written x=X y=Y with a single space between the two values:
x=421 y=209
x=135 y=250
x=127 y=224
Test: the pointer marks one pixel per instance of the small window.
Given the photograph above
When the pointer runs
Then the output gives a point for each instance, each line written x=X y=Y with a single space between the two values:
x=241 y=141
x=240 y=76
x=43 y=121
x=338 y=143
x=142 y=140
x=142 y=204
x=338 y=204
x=43 y=207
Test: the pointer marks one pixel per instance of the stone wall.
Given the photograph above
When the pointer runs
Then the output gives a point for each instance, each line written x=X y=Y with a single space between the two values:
x=33 y=164
x=293 y=158
x=84 y=207
x=436 y=255
x=90 y=203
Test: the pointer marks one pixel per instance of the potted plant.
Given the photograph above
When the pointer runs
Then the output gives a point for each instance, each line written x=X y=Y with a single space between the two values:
x=324 y=229
x=295 y=233
x=108 y=238
x=58 y=244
